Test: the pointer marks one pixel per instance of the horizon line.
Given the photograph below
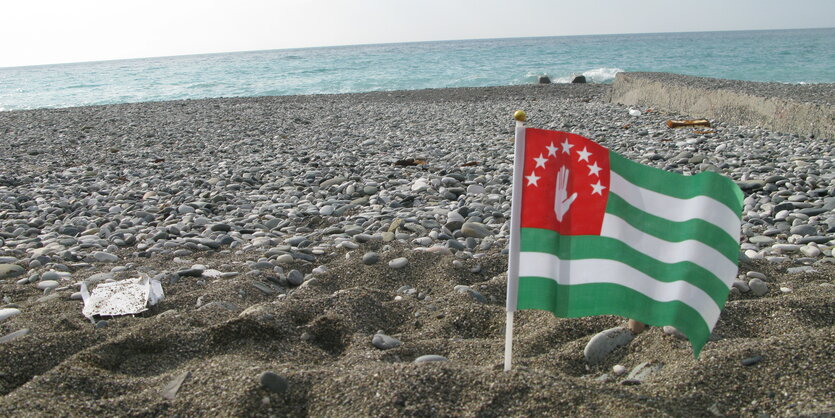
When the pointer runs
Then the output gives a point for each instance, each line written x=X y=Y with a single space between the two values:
x=396 y=43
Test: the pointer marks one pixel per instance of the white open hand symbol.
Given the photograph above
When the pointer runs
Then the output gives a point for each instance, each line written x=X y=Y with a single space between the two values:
x=562 y=202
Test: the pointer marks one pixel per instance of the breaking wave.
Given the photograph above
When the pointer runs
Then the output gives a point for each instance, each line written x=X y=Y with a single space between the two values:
x=596 y=75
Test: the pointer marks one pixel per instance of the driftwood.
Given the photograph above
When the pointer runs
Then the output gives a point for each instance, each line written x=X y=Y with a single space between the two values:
x=682 y=123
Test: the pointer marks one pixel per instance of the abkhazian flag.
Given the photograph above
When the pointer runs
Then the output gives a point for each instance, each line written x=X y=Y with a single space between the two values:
x=603 y=235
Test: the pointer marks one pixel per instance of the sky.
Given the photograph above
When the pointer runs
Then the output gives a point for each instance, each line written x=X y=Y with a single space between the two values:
x=34 y=32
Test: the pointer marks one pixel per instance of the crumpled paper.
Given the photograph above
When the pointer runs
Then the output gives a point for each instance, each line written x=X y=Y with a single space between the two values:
x=123 y=297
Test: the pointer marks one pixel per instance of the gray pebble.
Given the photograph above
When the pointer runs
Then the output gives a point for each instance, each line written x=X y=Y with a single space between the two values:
x=105 y=257
x=14 y=335
x=673 y=331
x=295 y=277
x=192 y=272
x=398 y=263
x=6 y=313
x=758 y=287
x=384 y=342
x=273 y=382
x=370 y=258
x=475 y=230
x=7 y=271
x=804 y=230
x=605 y=342
x=750 y=361
x=47 y=284
x=284 y=259
x=428 y=358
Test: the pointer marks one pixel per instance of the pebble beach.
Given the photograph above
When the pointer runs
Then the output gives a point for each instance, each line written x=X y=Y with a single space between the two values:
x=345 y=255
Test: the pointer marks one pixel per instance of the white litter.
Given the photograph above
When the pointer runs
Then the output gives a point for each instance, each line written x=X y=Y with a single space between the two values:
x=123 y=297
x=634 y=112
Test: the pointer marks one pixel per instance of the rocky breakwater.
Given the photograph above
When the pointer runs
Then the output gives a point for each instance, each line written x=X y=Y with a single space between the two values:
x=796 y=109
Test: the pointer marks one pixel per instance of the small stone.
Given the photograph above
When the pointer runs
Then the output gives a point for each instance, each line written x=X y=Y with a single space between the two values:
x=326 y=210
x=6 y=313
x=428 y=358
x=618 y=369
x=750 y=361
x=370 y=258
x=47 y=284
x=673 y=331
x=192 y=272
x=801 y=269
x=761 y=240
x=817 y=239
x=475 y=189
x=398 y=263
x=295 y=277
x=605 y=342
x=349 y=245
x=384 y=342
x=7 y=271
x=105 y=257
x=785 y=248
x=758 y=287
x=741 y=286
x=755 y=275
x=810 y=251
x=284 y=259
x=475 y=230
x=14 y=335
x=99 y=277
x=273 y=382
x=220 y=227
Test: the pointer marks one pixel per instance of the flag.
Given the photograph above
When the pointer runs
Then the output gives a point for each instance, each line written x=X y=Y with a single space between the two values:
x=599 y=234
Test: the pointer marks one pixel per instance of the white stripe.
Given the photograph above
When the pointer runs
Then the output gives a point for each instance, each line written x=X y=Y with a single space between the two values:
x=675 y=209
x=693 y=251
x=575 y=272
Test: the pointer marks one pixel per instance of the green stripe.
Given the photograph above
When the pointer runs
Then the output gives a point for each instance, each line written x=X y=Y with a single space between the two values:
x=706 y=183
x=578 y=247
x=695 y=229
x=574 y=301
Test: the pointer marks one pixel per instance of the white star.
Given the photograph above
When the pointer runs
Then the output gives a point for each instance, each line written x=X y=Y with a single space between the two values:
x=594 y=169
x=552 y=150
x=584 y=155
x=540 y=162
x=566 y=147
x=598 y=188
x=533 y=178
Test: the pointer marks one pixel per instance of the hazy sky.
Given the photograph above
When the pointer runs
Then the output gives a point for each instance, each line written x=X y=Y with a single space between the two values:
x=55 y=31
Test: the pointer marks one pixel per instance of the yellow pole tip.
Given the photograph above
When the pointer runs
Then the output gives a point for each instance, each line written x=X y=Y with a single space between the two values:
x=520 y=115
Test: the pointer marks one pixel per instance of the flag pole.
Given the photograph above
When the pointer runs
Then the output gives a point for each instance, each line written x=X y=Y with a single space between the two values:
x=515 y=221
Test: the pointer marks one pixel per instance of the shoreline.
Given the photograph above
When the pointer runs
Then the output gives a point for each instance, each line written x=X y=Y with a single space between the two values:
x=289 y=196
x=801 y=109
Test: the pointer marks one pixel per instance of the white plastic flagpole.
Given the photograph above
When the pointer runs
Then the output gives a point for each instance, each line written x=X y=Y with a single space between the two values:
x=515 y=222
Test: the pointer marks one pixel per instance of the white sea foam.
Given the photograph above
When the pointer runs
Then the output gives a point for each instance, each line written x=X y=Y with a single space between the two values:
x=596 y=75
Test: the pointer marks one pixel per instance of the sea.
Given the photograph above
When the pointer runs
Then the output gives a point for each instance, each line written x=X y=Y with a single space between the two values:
x=784 y=56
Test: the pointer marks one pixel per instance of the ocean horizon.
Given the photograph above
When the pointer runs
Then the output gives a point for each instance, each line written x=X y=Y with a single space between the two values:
x=797 y=56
